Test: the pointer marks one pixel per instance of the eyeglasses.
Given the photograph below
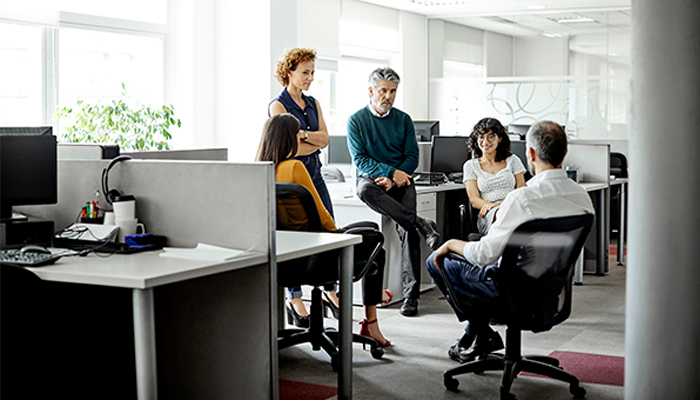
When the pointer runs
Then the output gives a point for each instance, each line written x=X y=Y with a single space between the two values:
x=490 y=137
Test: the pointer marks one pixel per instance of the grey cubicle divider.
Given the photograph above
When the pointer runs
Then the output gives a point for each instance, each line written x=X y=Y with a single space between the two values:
x=590 y=159
x=219 y=203
x=191 y=154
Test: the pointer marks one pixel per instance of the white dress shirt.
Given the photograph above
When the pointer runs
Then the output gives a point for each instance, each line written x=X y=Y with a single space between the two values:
x=549 y=194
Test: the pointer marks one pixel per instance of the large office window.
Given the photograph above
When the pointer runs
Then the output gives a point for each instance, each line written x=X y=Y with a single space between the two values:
x=79 y=49
x=20 y=75
x=94 y=64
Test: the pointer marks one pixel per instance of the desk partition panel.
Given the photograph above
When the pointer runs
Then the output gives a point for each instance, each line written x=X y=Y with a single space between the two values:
x=192 y=154
x=189 y=202
x=590 y=159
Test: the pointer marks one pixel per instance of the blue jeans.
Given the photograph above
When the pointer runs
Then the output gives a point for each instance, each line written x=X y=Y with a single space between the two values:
x=313 y=166
x=470 y=282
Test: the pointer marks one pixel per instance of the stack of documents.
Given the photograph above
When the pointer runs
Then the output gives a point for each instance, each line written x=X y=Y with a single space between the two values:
x=203 y=252
x=89 y=232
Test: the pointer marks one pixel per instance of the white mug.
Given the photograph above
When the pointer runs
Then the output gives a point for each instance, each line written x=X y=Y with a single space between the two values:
x=124 y=209
x=109 y=218
x=129 y=227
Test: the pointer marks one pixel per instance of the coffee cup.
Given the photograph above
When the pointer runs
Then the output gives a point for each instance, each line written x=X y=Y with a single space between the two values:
x=109 y=218
x=128 y=227
x=124 y=207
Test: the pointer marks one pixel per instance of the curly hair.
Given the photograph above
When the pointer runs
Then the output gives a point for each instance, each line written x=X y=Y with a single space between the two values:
x=289 y=61
x=483 y=127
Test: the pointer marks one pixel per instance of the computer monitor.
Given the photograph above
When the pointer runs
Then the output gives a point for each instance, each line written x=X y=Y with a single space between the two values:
x=26 y=130
x=425 y=130
x=449 y=153
x=518 y=129
x=338 y=152
x=29 y=172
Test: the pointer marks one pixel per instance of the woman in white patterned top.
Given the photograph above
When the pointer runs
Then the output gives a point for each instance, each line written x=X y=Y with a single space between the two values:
x=493 y=171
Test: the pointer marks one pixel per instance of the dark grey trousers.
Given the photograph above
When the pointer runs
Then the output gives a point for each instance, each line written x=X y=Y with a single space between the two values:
x=399 y=204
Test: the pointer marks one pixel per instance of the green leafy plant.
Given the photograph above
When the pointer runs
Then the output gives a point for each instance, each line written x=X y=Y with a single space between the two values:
x=131 y=126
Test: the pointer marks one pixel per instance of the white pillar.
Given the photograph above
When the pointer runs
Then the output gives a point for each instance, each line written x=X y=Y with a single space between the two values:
x=662 y=334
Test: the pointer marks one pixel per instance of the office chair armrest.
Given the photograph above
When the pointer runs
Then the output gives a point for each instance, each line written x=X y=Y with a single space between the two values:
x=359 y=224
x=361 y=230
x=451 y=295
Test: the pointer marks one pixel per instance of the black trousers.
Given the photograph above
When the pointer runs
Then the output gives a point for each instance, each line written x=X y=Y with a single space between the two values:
x=399 y=204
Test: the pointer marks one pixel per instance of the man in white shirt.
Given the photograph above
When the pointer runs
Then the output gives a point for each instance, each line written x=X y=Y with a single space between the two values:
x=549 y=194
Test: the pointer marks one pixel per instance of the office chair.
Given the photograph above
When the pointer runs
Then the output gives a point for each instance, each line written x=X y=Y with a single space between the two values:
x=618 y=169
x=317 y=270
x=332 y=174
x=618 y=165
x=535 y=283
x=468 y=216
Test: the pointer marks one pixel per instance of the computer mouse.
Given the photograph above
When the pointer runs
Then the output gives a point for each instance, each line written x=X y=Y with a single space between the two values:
x=32 y=248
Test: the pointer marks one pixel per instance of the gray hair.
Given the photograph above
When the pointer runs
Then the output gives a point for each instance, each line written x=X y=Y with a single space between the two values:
x=383 y=74
x=548 y=139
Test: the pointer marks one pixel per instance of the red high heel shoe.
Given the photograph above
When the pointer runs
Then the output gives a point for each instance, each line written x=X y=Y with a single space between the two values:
x=364 y=331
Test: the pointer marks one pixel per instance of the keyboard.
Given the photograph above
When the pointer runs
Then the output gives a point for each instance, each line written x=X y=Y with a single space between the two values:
x=17 y=258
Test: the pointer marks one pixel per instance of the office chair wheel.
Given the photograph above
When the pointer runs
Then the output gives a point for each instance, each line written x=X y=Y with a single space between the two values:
x=376 y=353
x=578 y=392
x=451 y=383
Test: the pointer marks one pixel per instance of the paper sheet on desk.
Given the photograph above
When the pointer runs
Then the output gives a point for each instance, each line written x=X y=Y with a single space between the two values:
x=202 y=252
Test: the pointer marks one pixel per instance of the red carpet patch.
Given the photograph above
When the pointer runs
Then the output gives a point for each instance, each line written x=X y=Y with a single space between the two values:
x=592 y=368
x=290 y=390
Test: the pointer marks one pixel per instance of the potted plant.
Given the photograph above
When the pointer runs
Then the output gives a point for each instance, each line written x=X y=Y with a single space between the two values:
x=131 y=126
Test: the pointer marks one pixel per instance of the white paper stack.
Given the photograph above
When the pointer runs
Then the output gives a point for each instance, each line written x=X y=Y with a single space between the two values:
x=202 y=252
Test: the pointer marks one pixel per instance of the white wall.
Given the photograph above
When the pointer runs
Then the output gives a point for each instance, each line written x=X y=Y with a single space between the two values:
x=414 y=48
x=498 y=57
x=537 y=56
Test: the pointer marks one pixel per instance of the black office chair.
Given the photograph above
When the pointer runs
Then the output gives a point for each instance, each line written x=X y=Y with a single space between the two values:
x=535 y=283
x=317 y=270
x=618 y=169
x=468 y=216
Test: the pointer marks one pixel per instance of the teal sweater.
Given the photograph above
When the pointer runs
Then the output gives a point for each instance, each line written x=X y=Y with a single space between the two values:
x=379 y=146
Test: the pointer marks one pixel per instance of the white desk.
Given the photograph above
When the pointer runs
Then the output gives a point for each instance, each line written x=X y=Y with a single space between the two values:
x=349 y=208
x=291 y=245
x=142 y=273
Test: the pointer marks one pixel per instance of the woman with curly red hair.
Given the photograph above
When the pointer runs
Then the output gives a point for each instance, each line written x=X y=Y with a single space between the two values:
x=295 y=71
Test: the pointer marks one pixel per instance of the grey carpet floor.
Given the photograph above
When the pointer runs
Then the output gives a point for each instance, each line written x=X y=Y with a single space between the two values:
x=413 y=367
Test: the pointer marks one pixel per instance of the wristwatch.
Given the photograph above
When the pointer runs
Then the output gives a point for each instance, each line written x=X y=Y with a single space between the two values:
x=306 y=135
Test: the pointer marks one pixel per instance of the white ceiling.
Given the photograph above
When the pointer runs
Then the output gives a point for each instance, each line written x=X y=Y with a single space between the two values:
x=517 y=18
x=608 y=34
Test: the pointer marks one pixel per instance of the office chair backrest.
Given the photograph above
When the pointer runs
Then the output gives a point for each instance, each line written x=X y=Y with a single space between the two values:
x=332 y=174
x=618 y=165
x=536 y=271
x=292 y=198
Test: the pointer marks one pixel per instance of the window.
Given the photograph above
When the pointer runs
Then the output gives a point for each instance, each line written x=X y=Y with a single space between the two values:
x=94 y=64
x=20 y=75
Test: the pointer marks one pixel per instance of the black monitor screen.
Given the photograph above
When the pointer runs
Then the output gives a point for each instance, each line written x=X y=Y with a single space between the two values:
x=449 y=153
x=29 y=171
x=338 y=152
x=425 y=130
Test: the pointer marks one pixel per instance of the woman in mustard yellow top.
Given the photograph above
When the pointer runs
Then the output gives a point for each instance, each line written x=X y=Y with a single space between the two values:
x=279 y=143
